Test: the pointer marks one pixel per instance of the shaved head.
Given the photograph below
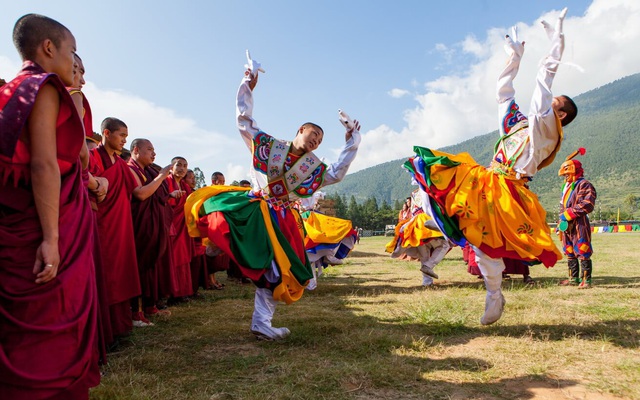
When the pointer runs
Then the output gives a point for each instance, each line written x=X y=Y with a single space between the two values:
x=138 y=142
x=33 y=29
x=112 y=124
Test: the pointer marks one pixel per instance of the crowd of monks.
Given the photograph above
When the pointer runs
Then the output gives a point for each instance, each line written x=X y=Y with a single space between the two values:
x=151 y=261
x=91 y=245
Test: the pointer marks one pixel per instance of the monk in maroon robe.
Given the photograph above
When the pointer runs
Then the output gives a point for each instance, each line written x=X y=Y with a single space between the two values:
x=97 y=186
x=183 y=246
x=148 y=208
x=115 y=225
x=48 y=314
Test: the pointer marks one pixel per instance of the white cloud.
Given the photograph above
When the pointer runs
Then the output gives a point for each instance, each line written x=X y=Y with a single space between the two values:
x=454 y=108
x=171 y=134
x=446 y=52
x=471 y=45
x=448 y=110
x=398 y=93
x=8 y=68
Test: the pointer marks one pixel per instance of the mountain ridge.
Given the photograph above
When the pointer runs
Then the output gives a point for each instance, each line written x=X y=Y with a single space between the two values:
x=607 y=125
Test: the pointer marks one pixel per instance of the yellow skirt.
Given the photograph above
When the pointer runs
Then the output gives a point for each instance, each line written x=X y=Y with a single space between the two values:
x=494 y=212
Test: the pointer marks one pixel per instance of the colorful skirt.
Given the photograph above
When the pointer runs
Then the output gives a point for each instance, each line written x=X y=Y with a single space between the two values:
x=258 y=238
x=411 y=233
x=327 y=236
x=488 y=208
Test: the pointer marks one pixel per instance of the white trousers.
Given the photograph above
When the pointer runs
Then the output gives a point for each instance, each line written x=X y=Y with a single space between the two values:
x=264 y=307
x=491 y=269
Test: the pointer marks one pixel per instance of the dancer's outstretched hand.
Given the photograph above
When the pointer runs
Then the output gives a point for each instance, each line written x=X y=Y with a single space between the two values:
x=512 y=45
x=253 y=81
x=556 y=35
x=356 y=128
x=253 y=65
x=553 y=32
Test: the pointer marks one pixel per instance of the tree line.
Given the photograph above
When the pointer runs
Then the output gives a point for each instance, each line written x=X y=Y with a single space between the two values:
x=368 y=215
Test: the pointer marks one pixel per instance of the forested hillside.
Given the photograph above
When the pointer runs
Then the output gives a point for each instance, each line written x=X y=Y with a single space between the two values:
x=608 y=126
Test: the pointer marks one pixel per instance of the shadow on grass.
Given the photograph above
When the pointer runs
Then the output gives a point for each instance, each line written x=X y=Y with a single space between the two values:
x=603 y=282
x=361 y=254
x=624 y=333
x=524 y=387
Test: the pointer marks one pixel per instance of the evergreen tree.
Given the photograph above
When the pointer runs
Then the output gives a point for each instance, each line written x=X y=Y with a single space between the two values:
x=339 y=205
x=200 y=181
x=354 y=213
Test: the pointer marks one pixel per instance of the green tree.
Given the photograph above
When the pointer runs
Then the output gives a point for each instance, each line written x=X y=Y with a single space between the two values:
x=200 y=181
x=386 y=215
x=339 y=205
x=354 y=213
x=397 y=205
x=631 y=201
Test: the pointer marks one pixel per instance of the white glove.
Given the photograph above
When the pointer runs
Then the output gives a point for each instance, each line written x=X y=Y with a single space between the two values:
x=512 y=46
x=556 y=36
x=253 y=65
x=345 y=120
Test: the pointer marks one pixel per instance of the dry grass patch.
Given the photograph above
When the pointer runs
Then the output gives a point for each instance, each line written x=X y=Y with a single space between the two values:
x=370 y=331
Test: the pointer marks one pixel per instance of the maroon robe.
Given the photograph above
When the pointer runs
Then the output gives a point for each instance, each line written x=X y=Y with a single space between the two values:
x=117 y=242
x=105 y=334
x=47 y=331
x=183 y=246
x=199 y=272
x=151 y=233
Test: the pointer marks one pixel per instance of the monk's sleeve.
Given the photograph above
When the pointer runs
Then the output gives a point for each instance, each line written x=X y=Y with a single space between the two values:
x=244 y=113
x=337 y=171
x=95 y=164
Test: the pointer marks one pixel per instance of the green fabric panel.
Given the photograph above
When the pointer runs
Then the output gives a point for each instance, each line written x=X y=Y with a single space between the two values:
x=226 y=202
x=250 y=241
x=249 y=238
x=449 y=224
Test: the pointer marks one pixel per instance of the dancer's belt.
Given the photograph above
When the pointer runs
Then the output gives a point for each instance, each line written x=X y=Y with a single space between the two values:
x=506 y=171
x=279 y=202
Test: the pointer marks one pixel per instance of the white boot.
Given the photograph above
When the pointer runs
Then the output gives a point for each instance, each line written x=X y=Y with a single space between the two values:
x=331 y=260
x=427 y=264
x=493 y=307
x=264 y=307
x=491 y=269
x=426 y=280
x=428 y=270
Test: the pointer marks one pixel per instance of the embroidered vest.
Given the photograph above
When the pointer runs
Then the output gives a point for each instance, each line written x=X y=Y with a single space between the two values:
x=509 y=147
x=286 y=175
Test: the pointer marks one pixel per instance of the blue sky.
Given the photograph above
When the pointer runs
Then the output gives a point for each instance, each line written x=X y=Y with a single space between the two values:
x=413 y=72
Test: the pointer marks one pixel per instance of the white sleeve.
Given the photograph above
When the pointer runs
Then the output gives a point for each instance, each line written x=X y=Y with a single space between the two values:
x=542 y=96
x=543 y=132
x=244 y=110
x=337 y=171
x=505 y=91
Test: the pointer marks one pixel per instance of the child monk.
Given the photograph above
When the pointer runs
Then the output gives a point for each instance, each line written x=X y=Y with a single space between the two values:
x=48 y=314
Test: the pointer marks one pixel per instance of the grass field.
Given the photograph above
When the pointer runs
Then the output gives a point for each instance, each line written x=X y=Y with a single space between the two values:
x=370 y=331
